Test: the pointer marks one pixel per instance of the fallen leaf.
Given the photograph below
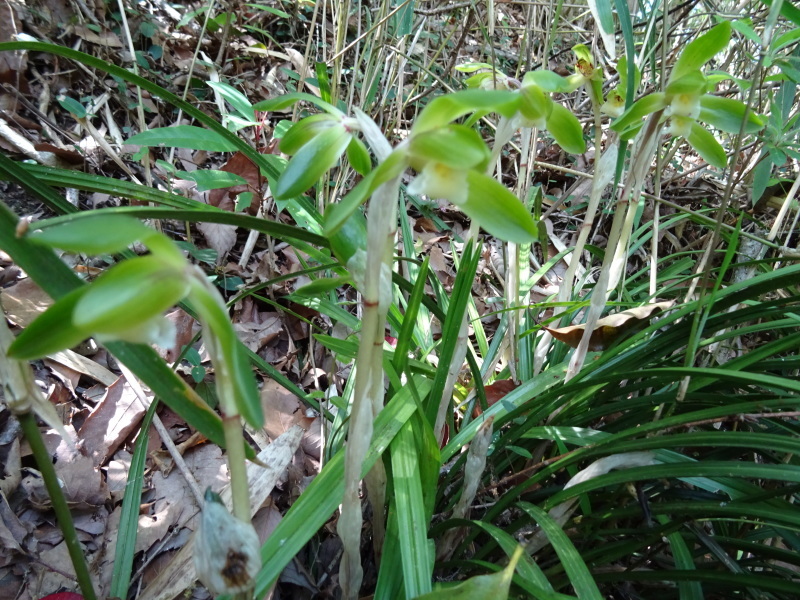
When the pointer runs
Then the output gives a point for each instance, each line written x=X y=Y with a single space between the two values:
x=611 y=328
x=111 y=421
x=220 y=237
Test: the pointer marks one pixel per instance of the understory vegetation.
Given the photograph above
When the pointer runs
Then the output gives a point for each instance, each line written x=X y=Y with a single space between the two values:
x=421 y=299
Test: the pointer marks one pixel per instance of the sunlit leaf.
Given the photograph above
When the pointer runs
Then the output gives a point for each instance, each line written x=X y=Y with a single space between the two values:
x=315 y=158
x=96 y=234
x=183 y=136
x=456 y=146
x=497 y=210
x=129 y=293
x=727 y=114
x=700 y=51
x=566 y=129
x=445 y=109
x=707 y=146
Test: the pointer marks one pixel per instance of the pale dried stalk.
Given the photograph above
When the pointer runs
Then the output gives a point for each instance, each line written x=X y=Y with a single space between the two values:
x=369 y=391
x=621 y=227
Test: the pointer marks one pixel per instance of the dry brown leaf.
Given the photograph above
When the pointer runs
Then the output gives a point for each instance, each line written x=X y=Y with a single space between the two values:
x=220 y=237
x=24 y=301
x=495 y=392
x=225 y=198
x=111 y=421
x=102 y=38
x=611 y=328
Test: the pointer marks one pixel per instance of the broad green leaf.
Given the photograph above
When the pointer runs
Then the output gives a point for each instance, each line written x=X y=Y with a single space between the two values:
x=235 y=98
x=445 y=109
x=184 y=136
x=304 y=131
x=454 y=145
x=727 y=114
x=700 y=51
x=350 y=237
x=308 y=165
x=604 y=18
x=566 y=129
x=548 y=81
x=287 y=100
x=212 y=180
x=129 y=294
x=707 y=146
x=72 y=106
x=785 y=39
x=96 y=234
x=693 y=83
x=535 y=105
x=321 y=286
x=641 y=108
x=248 y=400
x=761 y=174
x=336 y=214
x=480 y=587
x=576 y=569
x=358 y=156
x=51 y=331
x=497 y=210
x=746 y=29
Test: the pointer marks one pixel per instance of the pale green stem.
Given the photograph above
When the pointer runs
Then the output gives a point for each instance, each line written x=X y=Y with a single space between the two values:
x=220 y=340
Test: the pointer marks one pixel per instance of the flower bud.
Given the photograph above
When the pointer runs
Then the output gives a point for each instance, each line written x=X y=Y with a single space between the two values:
x=227 y=553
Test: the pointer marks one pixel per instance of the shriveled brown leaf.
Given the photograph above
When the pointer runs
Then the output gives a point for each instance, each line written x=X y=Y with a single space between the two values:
x=225 y=198
x=611 y=328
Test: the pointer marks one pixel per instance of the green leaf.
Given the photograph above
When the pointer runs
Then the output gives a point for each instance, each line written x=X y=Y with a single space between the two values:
x=350 y=237
x=304 y=131
x=456 y=146
x=693 y=82
x=707 y=146
x=566 y=129
x=336 y=214
x=727 y=114
x=246 y=395
x=96 y=234
x=235 y=98
x=497 y=210
x=535 y=105
x=358 y=156
x=700 y=51
x=308 y=165
x=571 y=560
x=444 y=109
x=183 y=136
x=480 y=587
x=746 y=29
x=212 y=180
x=642 y=107
x=548 y=81
x=128 y=294
x=321 y=286
x=287 y=100
x=72 y=106
x=51 y=331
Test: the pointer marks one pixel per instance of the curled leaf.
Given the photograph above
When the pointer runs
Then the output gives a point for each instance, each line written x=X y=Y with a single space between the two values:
x=612 y=328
